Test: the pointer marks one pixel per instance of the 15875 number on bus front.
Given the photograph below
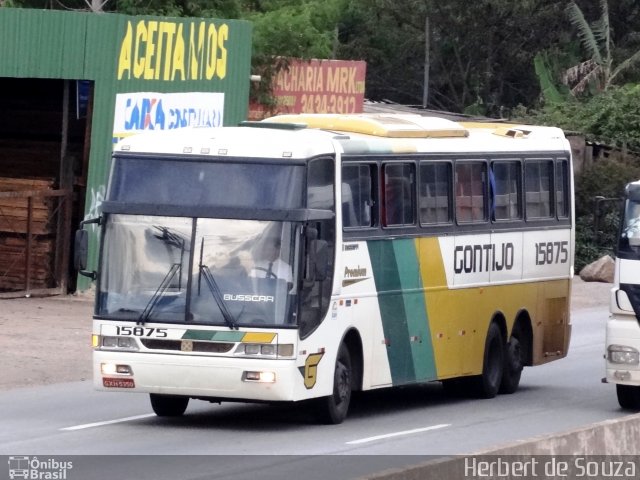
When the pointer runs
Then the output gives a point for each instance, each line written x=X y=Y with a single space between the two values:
x=141 y=331
x=552 y=252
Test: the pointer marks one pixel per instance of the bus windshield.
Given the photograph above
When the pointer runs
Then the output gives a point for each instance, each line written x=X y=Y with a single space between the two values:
x=185 y=182
x=630 y=233
x=195 y=270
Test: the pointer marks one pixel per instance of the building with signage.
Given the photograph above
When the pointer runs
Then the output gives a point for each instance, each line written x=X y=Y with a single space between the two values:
x=72 y=84
x=316 y=86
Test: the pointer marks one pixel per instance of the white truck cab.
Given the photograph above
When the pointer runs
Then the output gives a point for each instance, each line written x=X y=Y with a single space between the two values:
x=623 y=328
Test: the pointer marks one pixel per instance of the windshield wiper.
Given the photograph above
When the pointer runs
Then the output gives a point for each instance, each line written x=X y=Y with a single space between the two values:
x=217 y=296
x=166 y=281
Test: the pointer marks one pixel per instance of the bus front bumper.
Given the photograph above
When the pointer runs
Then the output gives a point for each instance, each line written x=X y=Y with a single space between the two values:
x=622 y=352
x=196 y=376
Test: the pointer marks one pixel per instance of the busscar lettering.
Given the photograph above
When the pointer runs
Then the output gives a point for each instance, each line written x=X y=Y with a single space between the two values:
x=488 y=257
x=247 y=298
x=170 y=51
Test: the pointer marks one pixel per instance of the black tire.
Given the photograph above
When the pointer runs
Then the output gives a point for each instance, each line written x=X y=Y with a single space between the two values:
x=488 y=384
x=513 y=366
x=333 y=409
x=628 y=396
x=168 y=405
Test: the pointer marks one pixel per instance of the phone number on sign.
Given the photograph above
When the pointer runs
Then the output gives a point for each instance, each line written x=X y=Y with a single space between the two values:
x=325 y=103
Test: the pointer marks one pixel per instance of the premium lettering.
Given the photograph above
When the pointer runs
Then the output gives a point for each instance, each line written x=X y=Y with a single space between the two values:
x=355 y=272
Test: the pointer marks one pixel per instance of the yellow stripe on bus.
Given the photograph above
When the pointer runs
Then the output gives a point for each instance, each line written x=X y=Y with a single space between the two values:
x=258 y=337
x=459 y=318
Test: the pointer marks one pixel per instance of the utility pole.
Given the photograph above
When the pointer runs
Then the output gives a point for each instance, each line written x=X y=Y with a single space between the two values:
x=427 y=63
x=96 y=5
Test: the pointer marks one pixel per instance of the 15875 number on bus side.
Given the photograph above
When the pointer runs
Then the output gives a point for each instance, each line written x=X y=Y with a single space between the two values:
x=552 y=252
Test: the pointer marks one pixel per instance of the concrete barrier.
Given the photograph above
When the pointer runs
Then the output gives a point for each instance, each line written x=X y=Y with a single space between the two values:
x=583 y=450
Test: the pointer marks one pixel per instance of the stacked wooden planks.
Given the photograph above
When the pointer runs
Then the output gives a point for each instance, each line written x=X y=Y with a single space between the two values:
x=14 y=227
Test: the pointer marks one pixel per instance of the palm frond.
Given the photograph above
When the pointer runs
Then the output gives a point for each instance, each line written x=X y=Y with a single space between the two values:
x=606 y=29
x=550 y=92
x=629 y=62
x=585 y=32
x=578 y=77
x=574 y=74
x=584 y=82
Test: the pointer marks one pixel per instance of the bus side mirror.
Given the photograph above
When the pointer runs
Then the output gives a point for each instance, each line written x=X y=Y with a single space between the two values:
x=81 y=250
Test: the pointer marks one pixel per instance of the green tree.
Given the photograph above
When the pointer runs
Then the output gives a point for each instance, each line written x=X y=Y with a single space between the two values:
x=596 y=39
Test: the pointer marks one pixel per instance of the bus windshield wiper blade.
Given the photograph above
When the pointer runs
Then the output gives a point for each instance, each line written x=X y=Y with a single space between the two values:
x=166 y=281
x=217 y=296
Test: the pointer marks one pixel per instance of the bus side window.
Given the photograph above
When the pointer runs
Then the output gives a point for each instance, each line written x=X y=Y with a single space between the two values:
x=506 y=190
x=538 y=176
x=435 y=193
x=320 y=182
x=399 y=194
x=562 y=188
x=470 y=192
x=357 y=195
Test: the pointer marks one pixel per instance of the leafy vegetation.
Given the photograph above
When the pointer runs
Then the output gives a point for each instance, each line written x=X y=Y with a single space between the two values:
x=573 y=64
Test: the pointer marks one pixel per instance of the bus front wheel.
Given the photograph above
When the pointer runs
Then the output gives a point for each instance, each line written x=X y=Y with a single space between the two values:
x=168 y=405
x=628 y=396
x=333 y=409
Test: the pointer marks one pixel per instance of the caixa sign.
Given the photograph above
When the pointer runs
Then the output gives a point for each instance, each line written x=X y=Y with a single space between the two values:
x=142 y=111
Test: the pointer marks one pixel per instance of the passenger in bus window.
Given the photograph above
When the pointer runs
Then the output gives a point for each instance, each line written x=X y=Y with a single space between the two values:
x=396 y=198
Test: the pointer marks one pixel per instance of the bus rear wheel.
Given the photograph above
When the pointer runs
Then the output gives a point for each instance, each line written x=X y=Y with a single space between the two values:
x=512 y=367
x=628 y=396
x=334 y=408
x=488 y=384
x=168 y=405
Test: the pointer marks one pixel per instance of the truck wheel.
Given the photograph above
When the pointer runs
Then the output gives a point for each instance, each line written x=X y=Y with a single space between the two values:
x=168 y=405
x=628 y=396
x=333 y=409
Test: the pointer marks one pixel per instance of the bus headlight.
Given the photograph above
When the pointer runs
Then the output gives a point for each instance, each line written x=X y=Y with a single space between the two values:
x=623 y=354
x=127 y=344
x=261 y=377
x=114 y=369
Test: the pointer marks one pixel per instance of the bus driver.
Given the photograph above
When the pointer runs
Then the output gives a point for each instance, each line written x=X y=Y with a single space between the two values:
x=268 y=263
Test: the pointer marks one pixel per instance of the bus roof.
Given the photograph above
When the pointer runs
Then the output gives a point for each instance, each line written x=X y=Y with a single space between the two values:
x=309 y=135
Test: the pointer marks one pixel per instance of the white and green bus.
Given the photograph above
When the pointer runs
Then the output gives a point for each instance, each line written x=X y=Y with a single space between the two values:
x=307 y=257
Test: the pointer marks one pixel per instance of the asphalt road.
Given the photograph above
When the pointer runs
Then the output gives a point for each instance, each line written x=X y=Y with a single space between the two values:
x=383 y=426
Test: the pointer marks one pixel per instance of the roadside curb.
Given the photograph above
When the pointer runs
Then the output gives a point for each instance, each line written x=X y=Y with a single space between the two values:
x=610 y=437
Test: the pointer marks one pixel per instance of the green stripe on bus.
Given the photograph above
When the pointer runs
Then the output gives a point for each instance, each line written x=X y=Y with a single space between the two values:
x=213 y=335
x=392 y=311
x=198 y=335
x=415 y=308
